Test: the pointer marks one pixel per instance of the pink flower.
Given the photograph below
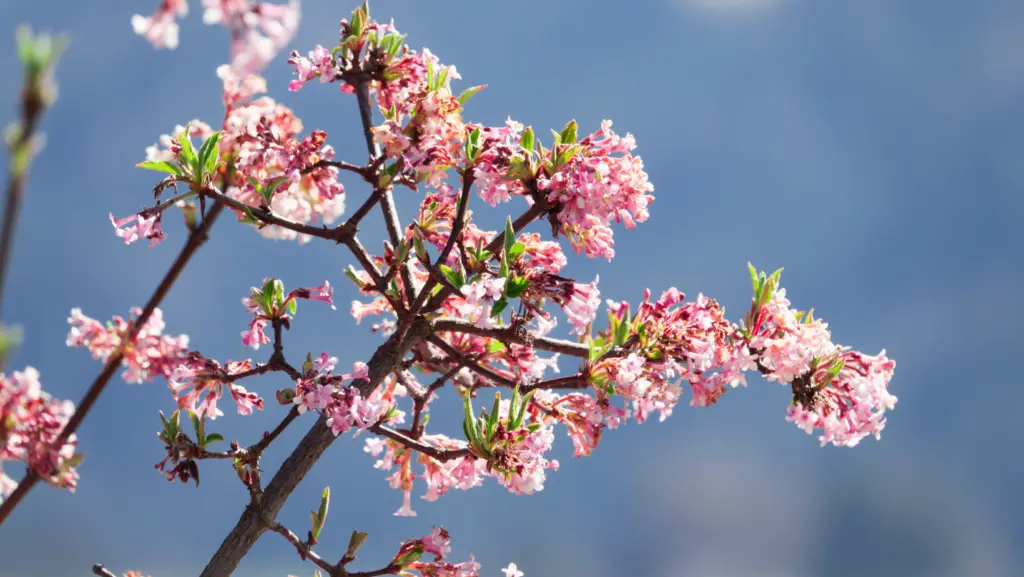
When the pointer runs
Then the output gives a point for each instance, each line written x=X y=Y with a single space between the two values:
x=512 y=571
x=150 y=353
x=602 y=182
x=161 y=29
x=198 y=383
x=320 y=64
x=30 y=423
x=143 y=226
x=321 y=293
x=581 y=308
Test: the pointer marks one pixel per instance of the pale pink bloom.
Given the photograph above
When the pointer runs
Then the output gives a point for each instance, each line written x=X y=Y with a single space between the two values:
x=161 y=29
x=512 y=571
x=142 y=226
x=30 y=423
x=581 y=308
x=254 y=336
x=151 y=352
x=437 y=543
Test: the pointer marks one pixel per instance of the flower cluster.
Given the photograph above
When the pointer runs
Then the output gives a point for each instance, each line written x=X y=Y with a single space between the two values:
x=198 y=383
x=30 y=424
x=270 y=303
x=148 y=355
x=274 y=168
x=410 y=557
x=258 y=30
x=320 y=391
x=601 y=182
x=843 y=393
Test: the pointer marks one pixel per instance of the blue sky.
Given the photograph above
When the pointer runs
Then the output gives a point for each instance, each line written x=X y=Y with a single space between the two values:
x=873 y=148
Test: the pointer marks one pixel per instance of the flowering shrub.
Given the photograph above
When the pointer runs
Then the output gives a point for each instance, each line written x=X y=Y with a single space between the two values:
x=458 y=306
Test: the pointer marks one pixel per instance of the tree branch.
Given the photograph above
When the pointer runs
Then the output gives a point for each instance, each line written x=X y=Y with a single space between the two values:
x=32 y=107
x=511 y=335
x=443 y=455
x=387 y=200
x=248 y=529
x=196 y=238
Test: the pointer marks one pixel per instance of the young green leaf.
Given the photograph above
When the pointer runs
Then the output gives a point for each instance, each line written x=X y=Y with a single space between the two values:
x=516 y=286
x=526 y=140
x=160 y=166
x=209 y=152
x=568 y=135
x=469 y=93
x=516 y=251
x=453 y=277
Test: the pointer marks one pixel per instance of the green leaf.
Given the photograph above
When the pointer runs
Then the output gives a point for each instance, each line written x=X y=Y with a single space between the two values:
x=188 y=154
x=212 y=438
x=355 y=542
x=292 y=307
x=516 y=251
x=620 y=334
x=522 y=409
x=453 y=277
x=469 y=93
x=753 y=276
x=516 y=286
x=412 y=556
x=499 y=306
x=160 y=166
x=527 y=139
x=321 y=514
x=568 y=135
x=510 y=235
x=209 y=152
x=495 y=347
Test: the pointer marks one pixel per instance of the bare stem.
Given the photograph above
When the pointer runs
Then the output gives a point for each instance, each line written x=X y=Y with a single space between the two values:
x=32 y=108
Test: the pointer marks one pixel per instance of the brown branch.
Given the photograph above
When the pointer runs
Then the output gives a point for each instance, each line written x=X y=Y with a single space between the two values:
x=387 y=200
x=510 y=335
x=460 y=218
x=269 y=438
x=99 y=569
x=248 y=529
x=196 y=238
x=389 y=570
x=32 y=108
x=471 y=364
x=443 y=455
x=577 y=381
x=497 y=243
x=337 y=234
x=363 y=171
x=304 y=549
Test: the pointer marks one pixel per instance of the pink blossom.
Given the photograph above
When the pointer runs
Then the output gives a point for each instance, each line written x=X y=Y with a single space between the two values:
x=30 y=423
x=581 y=308
x=161 y=29
x=143 y=225
x=602 y=183
x=150 y=353
x=198 y=383
x=512 y=571
x=320 y=64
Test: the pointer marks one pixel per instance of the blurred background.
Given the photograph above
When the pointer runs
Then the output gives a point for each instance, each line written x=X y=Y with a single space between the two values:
x=871 y=147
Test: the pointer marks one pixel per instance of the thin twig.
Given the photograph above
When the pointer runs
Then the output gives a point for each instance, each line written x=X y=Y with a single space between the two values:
x=387 y=200
x=443 y=455
x=32 y=108
x=196 y=238
x=506 y=334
